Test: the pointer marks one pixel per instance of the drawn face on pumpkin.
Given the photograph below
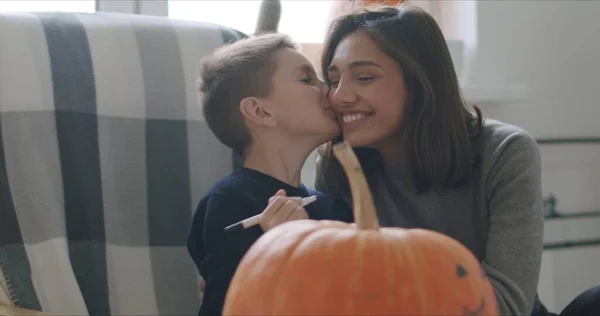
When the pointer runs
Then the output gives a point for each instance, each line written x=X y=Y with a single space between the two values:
x=461 y=274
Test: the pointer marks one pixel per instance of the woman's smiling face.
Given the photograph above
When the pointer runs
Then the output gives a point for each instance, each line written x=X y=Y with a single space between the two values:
x=368 y=92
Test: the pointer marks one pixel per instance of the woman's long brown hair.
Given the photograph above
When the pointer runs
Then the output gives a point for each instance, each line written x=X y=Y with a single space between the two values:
x=441 y=132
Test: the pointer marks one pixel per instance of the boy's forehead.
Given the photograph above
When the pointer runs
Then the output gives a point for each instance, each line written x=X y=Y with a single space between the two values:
x=290 y=59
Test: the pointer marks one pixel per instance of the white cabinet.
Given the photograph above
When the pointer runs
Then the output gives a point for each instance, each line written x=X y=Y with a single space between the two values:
x=570 y=171
x=568 y=271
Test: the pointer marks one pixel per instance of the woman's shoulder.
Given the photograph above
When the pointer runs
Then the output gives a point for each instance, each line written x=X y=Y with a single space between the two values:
x=507 y=143
x=497 y=136
x=494 y=130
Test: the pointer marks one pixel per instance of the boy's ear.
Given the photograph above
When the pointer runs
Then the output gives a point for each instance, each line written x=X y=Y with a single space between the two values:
x=255 y=110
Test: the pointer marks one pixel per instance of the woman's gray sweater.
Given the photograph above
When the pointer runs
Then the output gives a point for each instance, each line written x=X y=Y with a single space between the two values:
x=497 y=214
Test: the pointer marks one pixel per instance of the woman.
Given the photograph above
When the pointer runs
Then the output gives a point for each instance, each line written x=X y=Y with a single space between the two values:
x=432 y=162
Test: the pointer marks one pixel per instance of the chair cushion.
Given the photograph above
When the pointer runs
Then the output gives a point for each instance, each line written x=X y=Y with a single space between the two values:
x=104 y=154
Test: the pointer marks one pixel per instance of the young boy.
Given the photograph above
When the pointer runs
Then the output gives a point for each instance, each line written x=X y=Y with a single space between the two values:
x=261 y=98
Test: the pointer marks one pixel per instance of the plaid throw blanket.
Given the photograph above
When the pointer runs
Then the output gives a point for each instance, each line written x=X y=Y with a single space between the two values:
x=103 y=156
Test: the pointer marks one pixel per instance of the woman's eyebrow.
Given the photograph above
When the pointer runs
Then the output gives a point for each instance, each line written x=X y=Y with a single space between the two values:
x=356 y=64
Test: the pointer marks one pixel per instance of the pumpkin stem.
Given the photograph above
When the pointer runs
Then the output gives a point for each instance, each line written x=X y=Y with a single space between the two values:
x=362 y=200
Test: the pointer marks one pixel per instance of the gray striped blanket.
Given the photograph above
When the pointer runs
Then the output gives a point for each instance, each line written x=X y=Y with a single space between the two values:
x=103 y=156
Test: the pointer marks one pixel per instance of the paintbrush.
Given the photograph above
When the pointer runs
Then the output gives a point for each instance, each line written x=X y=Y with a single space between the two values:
x=254 y=220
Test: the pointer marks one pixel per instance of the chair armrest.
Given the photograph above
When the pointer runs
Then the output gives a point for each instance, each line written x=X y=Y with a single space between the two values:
x=16 y=311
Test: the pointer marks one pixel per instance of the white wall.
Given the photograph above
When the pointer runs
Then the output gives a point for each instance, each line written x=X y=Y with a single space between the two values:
x=554 y=48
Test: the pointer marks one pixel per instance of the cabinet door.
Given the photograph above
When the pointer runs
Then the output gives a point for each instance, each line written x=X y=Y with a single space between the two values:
x=566 y=273
x=575 y=270
x=570 y=269
x=546 y=284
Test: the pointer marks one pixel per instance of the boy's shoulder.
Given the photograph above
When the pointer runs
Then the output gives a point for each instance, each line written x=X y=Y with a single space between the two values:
x=230 y=183
x=247 y=184
x=233 y=185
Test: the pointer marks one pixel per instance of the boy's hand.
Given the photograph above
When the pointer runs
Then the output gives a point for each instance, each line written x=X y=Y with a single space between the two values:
x=281 y=209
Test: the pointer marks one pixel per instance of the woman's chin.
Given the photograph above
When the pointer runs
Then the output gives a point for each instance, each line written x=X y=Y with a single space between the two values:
x=356 y=142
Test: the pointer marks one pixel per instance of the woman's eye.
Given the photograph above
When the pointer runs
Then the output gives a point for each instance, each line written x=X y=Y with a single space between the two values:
x=305 y=80
x=333 y=83
x=365 y=78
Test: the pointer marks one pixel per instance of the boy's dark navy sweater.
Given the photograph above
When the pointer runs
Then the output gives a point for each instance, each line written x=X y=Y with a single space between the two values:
x=242 y=194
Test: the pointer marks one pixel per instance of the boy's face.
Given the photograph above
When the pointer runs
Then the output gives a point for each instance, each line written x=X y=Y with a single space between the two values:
x=298 y=99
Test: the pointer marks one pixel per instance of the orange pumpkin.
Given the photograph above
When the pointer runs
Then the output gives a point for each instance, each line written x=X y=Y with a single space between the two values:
x=331 y=268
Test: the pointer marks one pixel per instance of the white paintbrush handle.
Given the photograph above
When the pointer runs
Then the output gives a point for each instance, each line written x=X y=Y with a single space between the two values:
x=255 y=220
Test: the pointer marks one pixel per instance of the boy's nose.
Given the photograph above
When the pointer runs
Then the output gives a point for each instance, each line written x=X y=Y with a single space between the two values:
x=325 y=102
x=322 y=86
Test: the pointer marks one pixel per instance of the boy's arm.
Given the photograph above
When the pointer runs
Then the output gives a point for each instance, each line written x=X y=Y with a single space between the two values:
x=222 y=211
x=220 y=251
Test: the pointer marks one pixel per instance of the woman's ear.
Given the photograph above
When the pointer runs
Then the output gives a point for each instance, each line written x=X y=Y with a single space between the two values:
x=256 y=111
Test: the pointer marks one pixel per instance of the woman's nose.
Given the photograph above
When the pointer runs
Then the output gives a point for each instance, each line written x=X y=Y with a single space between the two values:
x=342 y=95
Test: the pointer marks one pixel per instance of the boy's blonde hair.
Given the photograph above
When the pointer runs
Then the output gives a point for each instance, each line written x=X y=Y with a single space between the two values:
x=233 y=72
